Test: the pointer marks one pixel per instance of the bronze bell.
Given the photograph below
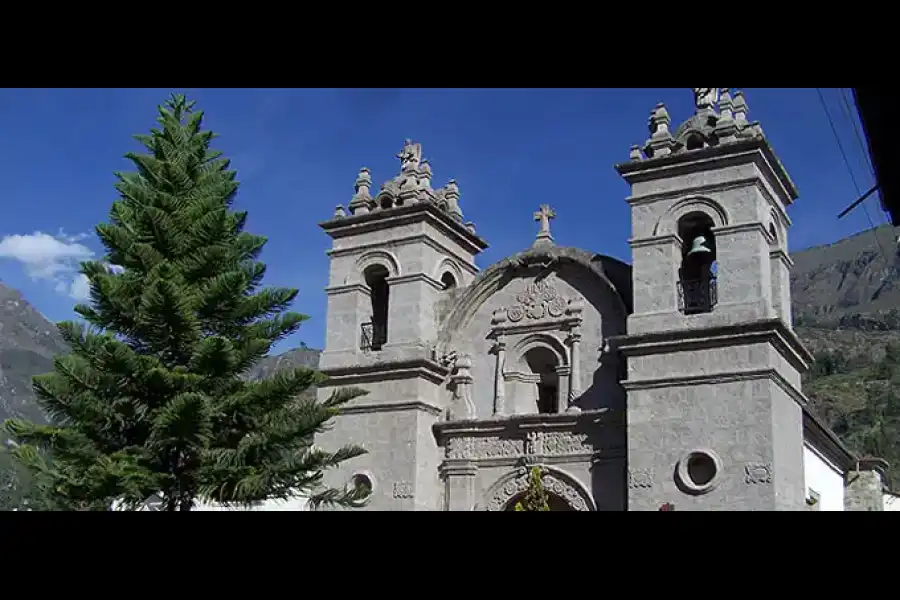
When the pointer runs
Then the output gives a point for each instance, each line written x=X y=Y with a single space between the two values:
x=699 y=246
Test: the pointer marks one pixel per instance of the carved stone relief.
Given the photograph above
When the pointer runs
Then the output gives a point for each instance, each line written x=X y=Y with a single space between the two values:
x=640 y=478
x=403 y=489
x=758 y=473
x=538 y=300
x=537 y=443
x=552 y=484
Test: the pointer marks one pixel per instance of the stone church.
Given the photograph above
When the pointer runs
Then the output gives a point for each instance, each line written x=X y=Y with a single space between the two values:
x=672 y=383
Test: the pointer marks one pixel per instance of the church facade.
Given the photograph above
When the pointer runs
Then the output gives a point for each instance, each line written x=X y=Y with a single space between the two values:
x=670 y=383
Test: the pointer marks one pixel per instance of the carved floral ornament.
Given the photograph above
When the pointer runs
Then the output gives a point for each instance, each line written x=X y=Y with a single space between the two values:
x=554 y=483
x=538 y=300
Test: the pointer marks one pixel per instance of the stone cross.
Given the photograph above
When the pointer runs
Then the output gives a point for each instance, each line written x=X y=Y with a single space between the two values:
x=544 y=215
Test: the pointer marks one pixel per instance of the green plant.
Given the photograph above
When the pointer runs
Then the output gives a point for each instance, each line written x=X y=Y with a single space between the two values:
x=153 y=400
x=535 y=497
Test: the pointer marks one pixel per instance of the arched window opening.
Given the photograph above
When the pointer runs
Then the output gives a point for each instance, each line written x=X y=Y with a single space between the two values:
x=697 y=291
x=694 y=142
x=374 y=333
x=448 y=281
x=543 y=365
x=773 y=232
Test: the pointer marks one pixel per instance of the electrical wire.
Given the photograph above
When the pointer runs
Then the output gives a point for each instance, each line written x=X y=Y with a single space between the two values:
x=884 y=254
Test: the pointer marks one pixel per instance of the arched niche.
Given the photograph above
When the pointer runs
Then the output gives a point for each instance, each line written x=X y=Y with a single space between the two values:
x=536 y=371
x=448 y=273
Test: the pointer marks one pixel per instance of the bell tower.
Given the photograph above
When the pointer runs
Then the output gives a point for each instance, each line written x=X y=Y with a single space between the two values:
x=395 y=256
x=715 y=417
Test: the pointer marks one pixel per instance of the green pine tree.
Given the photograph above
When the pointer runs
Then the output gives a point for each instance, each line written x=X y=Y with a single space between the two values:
x=535 y=498
x=152 y=399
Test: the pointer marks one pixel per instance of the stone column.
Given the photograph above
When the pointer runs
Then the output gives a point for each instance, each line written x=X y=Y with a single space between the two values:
x=575 y=374
x=459 y=485
x=499 y=383
x=574 y=311
x=563 y=374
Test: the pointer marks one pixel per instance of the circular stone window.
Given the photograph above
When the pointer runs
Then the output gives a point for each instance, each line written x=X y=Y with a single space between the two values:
x=697 y=472
x=362 y=482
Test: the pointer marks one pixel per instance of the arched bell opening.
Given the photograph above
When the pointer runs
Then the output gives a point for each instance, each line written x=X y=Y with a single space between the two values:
x=374 y=332
x=697 y=289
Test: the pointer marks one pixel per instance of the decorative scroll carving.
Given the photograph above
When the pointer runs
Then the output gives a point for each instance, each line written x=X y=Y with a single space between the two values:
x=539 y=299
x=758 y=473
x=640 y=478
x=536 y=443
x=552 y=484
x=403 y=489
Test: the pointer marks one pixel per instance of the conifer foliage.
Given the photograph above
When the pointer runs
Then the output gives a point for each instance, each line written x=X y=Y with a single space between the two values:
x=153 y=400
x=535 y=498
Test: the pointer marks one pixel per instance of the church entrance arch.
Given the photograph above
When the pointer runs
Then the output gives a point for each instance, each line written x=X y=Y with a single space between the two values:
x=561 y=487
x=553 y=501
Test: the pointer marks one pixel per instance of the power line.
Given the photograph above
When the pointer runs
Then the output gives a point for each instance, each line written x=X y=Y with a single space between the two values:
x=853 y=121
x=837 y=138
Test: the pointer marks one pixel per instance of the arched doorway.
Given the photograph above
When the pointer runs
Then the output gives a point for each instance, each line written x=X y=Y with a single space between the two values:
x=553 y=501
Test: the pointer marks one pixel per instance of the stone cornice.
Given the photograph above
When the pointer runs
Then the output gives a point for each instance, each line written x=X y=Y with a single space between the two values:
x=826 y=442
x=755 y=150
x=416 y=278
x=387 y=370
x=774 y=331
x=782 y=256
x=544 y=422
x=404 y=215
x=334 y=290
x=718 y=378
x=390 y=407
x=417 y=238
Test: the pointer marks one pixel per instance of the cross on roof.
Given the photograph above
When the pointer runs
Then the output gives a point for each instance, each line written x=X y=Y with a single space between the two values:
x=544 y=215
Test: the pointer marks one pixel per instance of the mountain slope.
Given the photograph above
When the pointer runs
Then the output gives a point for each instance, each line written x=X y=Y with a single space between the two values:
x=28 y=343
x=854 y=282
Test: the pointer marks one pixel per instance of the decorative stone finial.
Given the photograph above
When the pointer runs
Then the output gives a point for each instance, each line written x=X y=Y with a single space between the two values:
x=705 y=99
x=425 y=174
x=451 y=197
x=725 y=129
x=361 y=199
x=543 y=216
x=635 y=153
x=339 y=212
x=661 y=141
x=740 y=110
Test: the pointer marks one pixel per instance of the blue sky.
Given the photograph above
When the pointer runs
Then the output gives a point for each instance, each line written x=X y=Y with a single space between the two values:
x=297 y=153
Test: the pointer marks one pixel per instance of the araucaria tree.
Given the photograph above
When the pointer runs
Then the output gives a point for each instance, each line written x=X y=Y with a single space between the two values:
x=153 y=399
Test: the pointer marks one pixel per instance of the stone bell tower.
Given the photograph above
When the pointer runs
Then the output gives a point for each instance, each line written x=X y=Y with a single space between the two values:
x=392 y=258
x=714 y=405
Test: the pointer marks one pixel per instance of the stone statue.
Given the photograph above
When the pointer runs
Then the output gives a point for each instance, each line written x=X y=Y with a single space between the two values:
x=705 y=97
x=410 y=156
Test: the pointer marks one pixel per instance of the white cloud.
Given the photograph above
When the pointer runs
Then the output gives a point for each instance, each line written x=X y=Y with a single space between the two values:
x=50 y=258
